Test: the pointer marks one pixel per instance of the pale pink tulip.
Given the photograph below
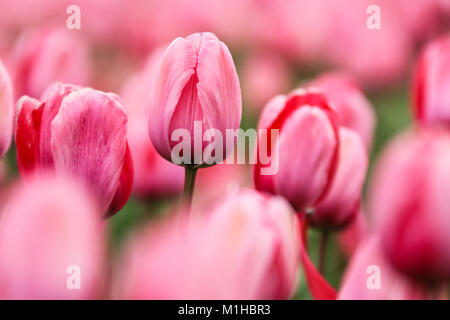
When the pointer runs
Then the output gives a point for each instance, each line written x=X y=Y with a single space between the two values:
x=341 y=204
x=42 y=57
x=6 y=110
x=246 y=248
x=410 y=205
x=264 y=75
x=370 y=276
x=431 y=81
x=51 y=242
x=153 y=175
x=196 y=81
x=352 y=107
x=307 y=148
x=81 y=132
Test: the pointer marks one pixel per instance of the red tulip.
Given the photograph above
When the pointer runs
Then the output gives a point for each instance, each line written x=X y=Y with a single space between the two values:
x=81 y=132
x=431 y=98
x=245 y=248
x=307 y=148
x=52 y=245
x=410 y=205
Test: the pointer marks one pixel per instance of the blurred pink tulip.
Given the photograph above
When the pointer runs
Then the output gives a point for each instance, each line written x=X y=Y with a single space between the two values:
x=352 y=107
x=431 y=98
x=197 y=81
x=341 y=204
x=80 y=132
x=264 y=75
x=246 y=248
x=153 y=175
x=410 y=205
x=51 y=241
x=307 y=148
x=370 y=276
x=42 y=57
x=6 y=110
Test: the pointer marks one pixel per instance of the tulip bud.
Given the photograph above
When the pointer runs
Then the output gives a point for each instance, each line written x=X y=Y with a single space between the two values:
x=370 y=276
x=6 y=111
x=45 y=56
x=196 y=89
x=81 y=132
x=341 y=204
x=431 y=98
x=307 y=148
x=51 y=242
x=153 y=175
x=246 y=248
x=352 y=108
x=409 y=203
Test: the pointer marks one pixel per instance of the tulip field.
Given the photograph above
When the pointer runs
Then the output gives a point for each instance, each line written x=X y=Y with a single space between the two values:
x=224 y=150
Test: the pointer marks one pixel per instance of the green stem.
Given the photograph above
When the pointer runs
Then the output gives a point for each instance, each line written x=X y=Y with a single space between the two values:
x=322 y=251
x=189 y=181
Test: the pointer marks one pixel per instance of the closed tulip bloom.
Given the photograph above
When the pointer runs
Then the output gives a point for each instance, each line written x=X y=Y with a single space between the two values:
x=196 y=83
x=307 y=148
x=370 y=276
x=246 y=248
x=81 y=132
x=410 y=204
x=51 y=242
x=341 y=204
x=431 y=83
x=6 y=111
x=353 y=109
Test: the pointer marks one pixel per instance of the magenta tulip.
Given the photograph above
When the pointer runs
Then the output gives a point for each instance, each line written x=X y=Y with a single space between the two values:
x=81 y=132
x=431 y=97
x=246 y=248
x=51 y=242
x=352 y=107
x=6 y=110
x=370 y=276
x=307 y=148
x=410 y=204
x=196 y=82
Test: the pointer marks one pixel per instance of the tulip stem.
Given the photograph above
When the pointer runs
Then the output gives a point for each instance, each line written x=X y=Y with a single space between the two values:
x=322 y=251
x=189 y=181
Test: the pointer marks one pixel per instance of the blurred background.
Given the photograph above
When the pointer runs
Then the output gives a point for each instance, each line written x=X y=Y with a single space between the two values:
x=276 y=45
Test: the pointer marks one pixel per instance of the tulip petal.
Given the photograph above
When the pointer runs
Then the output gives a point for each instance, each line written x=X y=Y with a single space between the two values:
x=125 y=185
x=28 y=123
x=89 y=141
x=320 y=289
x=6 y=111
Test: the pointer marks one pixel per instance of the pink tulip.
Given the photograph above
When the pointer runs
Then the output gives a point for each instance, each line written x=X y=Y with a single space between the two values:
x=51 y=242
x=370 y=276
x=81 y=132
x=430 y=84
x=153 y=175
x=196 y=81
x=264 y=75
x=44 y=56
x=307 y=148
x=341 y=204
x=410 y=205
x=6 y=110
x=246 y=248
x=352 y=107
